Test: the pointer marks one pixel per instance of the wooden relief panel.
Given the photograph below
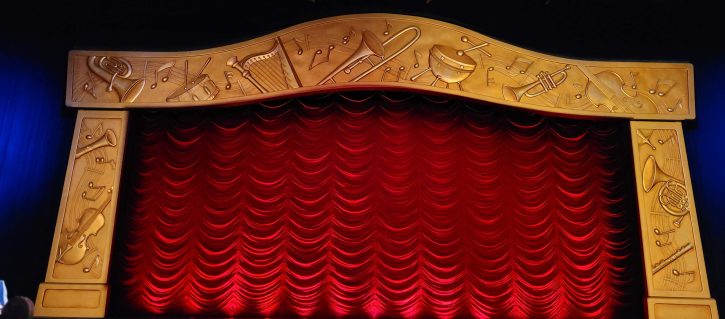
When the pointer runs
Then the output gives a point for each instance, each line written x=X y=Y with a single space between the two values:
x=81 y=247
x=670 y=234
x=379 y=51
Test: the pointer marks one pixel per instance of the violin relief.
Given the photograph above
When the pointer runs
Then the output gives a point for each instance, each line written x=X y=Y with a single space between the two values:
x=84 y=235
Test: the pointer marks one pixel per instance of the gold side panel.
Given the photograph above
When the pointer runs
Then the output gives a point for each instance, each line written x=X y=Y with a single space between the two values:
x=380 y=51
x=71 y=300
x=673 y=259
x=76 y=280
x=679 y=308
x=84 y=229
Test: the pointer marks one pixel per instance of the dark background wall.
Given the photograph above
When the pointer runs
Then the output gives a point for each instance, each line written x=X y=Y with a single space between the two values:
x=36 y=128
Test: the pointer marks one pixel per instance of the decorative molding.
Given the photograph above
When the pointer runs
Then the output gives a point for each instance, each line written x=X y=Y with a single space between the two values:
x=84 y=229
x=380 y=51
x=678 y=308
x=71 y=300
x=673 y=260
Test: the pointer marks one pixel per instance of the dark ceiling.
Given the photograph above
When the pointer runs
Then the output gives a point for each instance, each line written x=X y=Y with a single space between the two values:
x=587 y=29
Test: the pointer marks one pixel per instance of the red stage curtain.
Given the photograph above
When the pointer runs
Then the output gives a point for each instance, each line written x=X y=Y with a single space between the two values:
x=377 y=207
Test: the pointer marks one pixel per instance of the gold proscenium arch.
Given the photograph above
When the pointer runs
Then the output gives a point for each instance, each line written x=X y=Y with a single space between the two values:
x=376 y=51
x=380 y=51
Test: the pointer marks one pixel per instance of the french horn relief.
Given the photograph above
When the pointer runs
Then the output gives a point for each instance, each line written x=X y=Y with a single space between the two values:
x=371 y=46
x=116 y=71
x=672 y=196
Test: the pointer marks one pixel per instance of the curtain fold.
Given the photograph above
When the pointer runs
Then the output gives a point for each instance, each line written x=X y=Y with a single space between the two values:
x=378 y=206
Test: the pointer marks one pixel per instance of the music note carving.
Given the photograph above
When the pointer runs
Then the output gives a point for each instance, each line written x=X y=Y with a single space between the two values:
x=168 y=66
x=520 y=64
x=228 y=77
x=164 y=67
x=633 y=75
x=658 y=232
x=299 y=47
x=95 y=131
x=385 y=71
x=323 y=59
x=90 y=86
x=678 y=105
x=489 y=79
x=96 y=262
x=690 y=274
x=580 y=89
x=417 y=55
x=98 y=191
x=666 y=84
x=669 y=139
x=400 y=72
x=102 y=160
x=661 y=244
x=350 y=34
x=387 y=28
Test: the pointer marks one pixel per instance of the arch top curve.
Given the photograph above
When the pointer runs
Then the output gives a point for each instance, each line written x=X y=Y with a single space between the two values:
x=380 y=51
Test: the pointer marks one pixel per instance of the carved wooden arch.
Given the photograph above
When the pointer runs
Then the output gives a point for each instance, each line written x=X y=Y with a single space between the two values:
x=376 y=51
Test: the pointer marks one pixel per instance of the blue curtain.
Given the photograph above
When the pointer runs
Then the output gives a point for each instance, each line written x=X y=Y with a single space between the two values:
x=35 y=135
x=705 y=141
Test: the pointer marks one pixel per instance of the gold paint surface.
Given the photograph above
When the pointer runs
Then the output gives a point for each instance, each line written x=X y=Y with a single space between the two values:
x=673 y=259
x=71 y=300
x=84 y=228
x=380 y=51
x=679 y=308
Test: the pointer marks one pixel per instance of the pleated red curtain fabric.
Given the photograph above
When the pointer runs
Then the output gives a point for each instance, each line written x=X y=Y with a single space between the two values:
x=377 y=207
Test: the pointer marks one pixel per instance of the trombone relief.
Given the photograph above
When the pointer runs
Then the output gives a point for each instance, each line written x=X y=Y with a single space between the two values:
x=371 y=46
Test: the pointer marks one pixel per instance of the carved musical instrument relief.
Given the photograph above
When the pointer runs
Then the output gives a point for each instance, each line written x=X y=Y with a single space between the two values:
x=116 y=71
x=268 y=71
x=82 y=242
x=381 y=51
x=370 y=46
x=671 y=239
x=76 y=246
x=545 y=82
x=450 y=65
